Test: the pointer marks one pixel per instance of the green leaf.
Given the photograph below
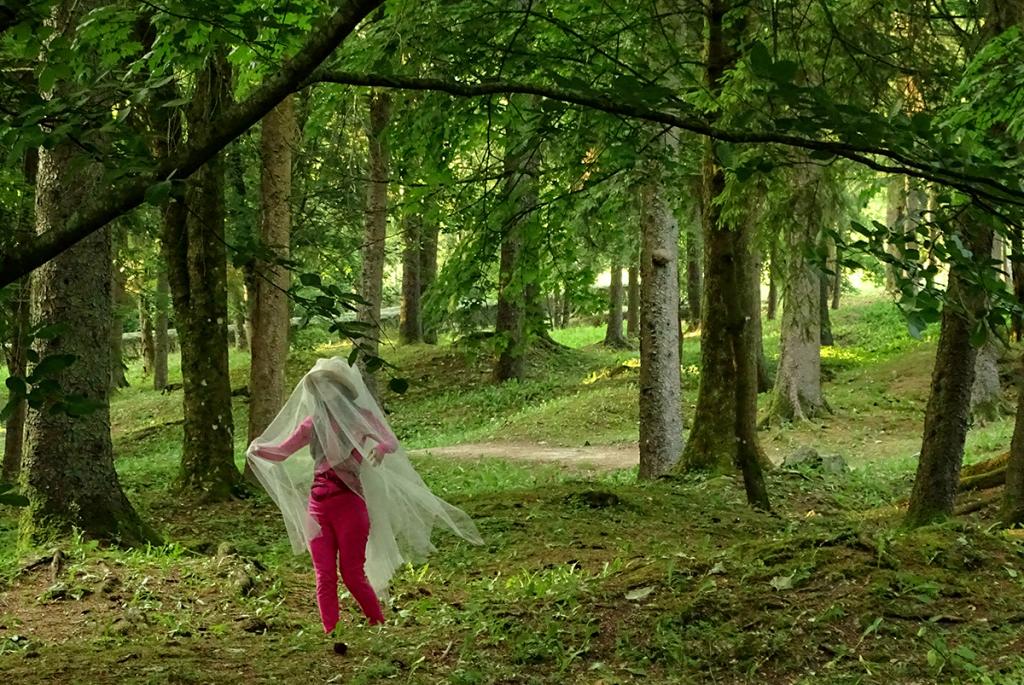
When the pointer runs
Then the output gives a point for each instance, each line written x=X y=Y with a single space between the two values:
x=399 y=386
x=979 y=334
x=17 y=386
x=51 y=366
x=310 y=280
x=49 y=331
x=760 y=60
x=158 y=193
x=13 y=500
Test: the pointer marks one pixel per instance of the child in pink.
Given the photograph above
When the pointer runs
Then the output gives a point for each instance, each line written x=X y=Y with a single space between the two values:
x=336 y=502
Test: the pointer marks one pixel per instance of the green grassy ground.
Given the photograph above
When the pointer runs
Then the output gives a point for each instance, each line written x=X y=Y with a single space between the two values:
x=585 y=576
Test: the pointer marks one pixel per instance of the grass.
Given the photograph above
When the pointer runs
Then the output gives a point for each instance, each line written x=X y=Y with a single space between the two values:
x=585 y=576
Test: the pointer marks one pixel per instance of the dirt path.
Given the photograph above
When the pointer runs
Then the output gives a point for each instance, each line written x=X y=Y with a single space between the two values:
x=604 y=457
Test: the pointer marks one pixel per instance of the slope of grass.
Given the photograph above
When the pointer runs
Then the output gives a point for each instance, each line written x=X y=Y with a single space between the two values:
x=584 y=577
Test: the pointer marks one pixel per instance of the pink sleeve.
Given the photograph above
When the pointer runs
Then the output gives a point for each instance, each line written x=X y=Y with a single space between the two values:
x=293 y=443
x=386 y=440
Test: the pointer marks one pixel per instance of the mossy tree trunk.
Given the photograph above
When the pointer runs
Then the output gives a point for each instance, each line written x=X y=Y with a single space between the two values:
x=197 y=272
x=375 y=230
x=68 y=468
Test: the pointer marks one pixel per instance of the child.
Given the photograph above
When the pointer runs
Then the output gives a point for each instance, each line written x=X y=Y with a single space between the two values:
x=354 y=500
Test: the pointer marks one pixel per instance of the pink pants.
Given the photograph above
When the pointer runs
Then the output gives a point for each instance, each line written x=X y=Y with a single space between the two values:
x=344 y=529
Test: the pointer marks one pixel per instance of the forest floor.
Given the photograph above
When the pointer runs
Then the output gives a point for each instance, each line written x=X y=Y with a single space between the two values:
x=585 y=576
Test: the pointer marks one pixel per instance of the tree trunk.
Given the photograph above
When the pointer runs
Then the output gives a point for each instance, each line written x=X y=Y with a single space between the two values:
x=836 y=277
x=694 y=278
x=197 y=272
x=118 y=379
x=1017 y=274
x=1013 y=495
x=633 y=300
x=798 y=393
x=986 y=390
x=773 y=290
x=896 y=220
x=19 y=322
x=522 y=158
x=827 y=340
x=946 y=416
x=661 y=429
x=239 y=308
x=270 y=314
x=613 y=334
x=161 y=345
x=16 y=358
x=740 y=300
x=764 y=379
x=68 y=469
x=376 y=228
x=428 y=274
x=146 y=332
x=724 y=432
x=410 y=329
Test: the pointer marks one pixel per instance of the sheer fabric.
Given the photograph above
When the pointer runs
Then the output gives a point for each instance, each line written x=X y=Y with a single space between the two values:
x=331 y=422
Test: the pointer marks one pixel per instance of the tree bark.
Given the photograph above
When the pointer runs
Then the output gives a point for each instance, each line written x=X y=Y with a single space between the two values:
x=522 y=159
x=613 y=333
x=946 y=416
x=694 y=278
x=410 y=328
x=239 y=320
x=118 y=379
x=773 y=290
x=633 y=302
x=376 y=228
x=428 y=274
x=724 y=433
x=764 y=379
x=986 y=390
x=798 y=394
x=161 y=345
x=827 y=340
x=661 y=429
x=896 y=220
x=1012 y=513
x=146 y=332
x=68 y=469
x=270 y=313
x=836 y=277
x=1017 y=275
x=197 y=273
x=17 y=361
x=19 y=317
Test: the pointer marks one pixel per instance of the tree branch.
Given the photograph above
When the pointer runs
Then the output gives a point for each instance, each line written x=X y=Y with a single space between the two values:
x=979 y=187
x=19 y=260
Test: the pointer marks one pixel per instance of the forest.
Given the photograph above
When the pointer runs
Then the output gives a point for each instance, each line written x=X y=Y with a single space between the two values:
x=707 y=313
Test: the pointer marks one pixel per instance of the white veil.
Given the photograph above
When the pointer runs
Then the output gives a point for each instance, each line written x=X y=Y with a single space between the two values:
x=347 y=426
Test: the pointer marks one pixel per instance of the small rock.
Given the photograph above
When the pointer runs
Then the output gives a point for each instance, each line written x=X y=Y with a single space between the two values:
x=255 y=625
x=55 y=592
x=834 y=464
x=803 y=456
